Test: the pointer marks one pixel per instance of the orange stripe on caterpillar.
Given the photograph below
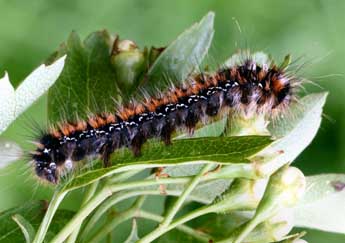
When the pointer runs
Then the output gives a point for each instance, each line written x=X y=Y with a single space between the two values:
x=246 y=88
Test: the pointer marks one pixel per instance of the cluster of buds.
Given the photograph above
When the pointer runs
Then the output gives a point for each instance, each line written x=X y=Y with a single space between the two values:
x=269 y=200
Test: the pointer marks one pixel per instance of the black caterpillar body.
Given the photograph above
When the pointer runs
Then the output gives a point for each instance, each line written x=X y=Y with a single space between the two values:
x=249 y=87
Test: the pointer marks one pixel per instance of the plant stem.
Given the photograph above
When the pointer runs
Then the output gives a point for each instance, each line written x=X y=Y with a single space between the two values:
x=118 y=219
x=99 y=198
x=55 y=202
x=53 y=205
x=231 y=171
x=192 y=215
x=82 y=214
x=128 y=214
x=189 y=188
x=107 y=205
x=183 y=219
x=177 y=205
x=150 y=182
x=123 y=176
x=186 y=229
x=114 y=179
x=118 y=197
x=214 y=208
x=88 y=195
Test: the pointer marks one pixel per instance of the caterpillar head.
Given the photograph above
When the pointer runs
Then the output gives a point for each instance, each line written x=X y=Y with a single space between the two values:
x=46 y=159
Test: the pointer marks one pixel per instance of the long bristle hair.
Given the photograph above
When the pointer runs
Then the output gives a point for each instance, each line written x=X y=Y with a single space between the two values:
x=246 y=85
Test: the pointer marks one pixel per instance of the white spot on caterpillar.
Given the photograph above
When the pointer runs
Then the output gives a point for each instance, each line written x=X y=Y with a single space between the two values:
x=284 y=80
x=68 y=164
x=52 y=165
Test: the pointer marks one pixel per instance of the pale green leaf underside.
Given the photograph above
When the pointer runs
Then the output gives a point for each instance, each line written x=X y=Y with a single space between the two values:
x=14 y=102
x=296 y=130
x=7 y=101
x=182 y=56
x=323 y=206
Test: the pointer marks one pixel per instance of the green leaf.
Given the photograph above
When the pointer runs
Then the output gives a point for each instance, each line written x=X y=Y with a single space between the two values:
x=9 y=152
x=182 y=56
x=218 y=149
x=215 y=129
x=87 y=81
x=323 y=206
x=296 y=130
x=175 y=235
x=14 y=102
x=25 y=226
x=61 y=218
x=185 y=151
x=302 y=118
x=133 y=236
x=32 y=212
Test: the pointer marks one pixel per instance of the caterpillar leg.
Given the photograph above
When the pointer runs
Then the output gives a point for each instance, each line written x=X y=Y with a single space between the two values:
x=105 y=155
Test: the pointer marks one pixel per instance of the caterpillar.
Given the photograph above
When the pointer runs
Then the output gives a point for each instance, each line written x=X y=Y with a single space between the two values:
x=248 y=87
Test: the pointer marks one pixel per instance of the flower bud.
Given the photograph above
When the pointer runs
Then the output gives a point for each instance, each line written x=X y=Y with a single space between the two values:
x=293 y=186
x=129 y=64
x=123 y=46
x=284 y=189
x=271 y=230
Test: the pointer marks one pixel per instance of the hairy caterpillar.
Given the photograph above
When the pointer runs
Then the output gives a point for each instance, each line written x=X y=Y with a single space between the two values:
x=249 y=87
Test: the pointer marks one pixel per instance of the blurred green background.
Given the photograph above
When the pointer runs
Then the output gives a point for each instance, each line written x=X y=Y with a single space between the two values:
x=313 y=30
